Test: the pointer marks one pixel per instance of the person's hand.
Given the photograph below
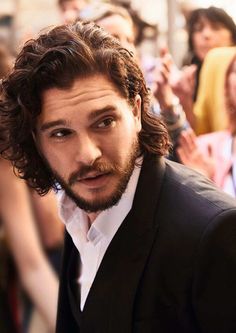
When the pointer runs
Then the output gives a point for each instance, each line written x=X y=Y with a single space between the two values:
x=161 y=86
x=190 y=154
x=183 y=87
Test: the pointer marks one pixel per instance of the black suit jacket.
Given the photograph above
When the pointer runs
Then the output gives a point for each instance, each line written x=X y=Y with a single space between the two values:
x=171 y=267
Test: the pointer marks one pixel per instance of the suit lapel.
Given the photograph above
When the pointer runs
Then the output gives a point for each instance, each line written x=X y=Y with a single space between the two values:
x=110 y=301
x=68 y=312
x=73 y=286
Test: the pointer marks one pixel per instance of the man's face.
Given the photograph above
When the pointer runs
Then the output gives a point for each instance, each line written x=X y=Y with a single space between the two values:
x=88 y=135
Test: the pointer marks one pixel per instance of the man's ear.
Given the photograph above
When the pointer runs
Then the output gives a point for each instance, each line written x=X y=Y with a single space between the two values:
x=137 y=111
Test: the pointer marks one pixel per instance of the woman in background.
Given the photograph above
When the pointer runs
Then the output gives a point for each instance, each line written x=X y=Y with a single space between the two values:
x=214 y=154
x=208 y=28
x=29 y=227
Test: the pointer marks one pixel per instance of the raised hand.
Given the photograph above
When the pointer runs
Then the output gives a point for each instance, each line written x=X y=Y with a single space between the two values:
x=191 y=155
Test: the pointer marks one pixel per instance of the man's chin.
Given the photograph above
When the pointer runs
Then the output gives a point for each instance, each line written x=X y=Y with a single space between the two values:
x=94 y=205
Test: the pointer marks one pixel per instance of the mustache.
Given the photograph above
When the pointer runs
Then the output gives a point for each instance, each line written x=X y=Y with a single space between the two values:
x=86 y=169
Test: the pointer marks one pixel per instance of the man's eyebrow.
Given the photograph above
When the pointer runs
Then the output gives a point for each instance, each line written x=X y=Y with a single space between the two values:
x=96 y=113
x=92 y=115
x=50 y=124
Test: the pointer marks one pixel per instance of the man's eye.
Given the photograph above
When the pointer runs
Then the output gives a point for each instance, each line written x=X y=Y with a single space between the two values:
x=108 y=122
x=60 y=133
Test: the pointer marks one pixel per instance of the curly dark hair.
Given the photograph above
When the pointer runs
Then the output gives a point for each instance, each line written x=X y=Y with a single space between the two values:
x=55 y=59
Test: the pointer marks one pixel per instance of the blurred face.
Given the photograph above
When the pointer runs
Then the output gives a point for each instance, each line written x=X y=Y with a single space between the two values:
x=70 y=10
x=120 y=28
x=208 y=35
x=88 y=135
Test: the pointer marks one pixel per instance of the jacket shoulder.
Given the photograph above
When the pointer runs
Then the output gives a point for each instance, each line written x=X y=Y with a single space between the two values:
x=195 y=191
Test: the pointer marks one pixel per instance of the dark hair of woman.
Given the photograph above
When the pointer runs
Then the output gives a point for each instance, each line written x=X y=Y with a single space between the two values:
x=214 y=15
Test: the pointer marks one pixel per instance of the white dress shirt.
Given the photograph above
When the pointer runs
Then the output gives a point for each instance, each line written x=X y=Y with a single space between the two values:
x=92 y=242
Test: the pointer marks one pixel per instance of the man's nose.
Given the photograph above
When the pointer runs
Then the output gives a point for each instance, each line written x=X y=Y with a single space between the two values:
x=88 y=150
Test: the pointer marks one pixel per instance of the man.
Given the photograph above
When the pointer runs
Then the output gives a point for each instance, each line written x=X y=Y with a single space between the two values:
x=150 y=245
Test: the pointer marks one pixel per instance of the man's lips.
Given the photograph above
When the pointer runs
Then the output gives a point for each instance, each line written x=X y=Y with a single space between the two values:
x=93 y=175
x=94 y=180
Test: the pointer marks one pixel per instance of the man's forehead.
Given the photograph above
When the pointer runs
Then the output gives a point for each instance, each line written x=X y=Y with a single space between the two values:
x=79 y=92
x=82 y=89
x=85 y=94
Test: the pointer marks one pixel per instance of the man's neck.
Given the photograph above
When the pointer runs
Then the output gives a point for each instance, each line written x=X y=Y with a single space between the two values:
x=92 y=217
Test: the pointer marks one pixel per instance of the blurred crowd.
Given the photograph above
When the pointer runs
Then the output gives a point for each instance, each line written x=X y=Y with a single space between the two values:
x=197 y=102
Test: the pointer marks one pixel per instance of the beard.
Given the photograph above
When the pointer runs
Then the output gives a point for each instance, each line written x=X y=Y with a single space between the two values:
x=122 y=174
